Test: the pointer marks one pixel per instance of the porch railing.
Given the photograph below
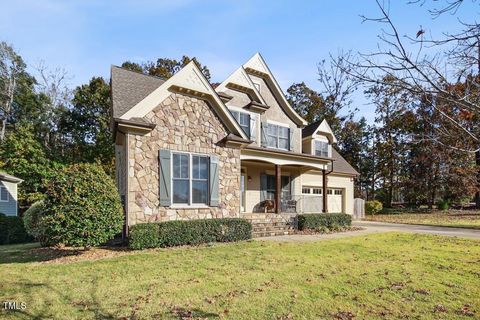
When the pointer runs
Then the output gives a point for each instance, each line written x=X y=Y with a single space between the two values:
x=301 y=204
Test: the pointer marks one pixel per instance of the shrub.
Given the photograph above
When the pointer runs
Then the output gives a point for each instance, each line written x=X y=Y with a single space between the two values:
x=442 y=204
x=12 y=230
x=373 y=207
x=324 y=221
x=31 y=220
x=191 y=232
x=82 y=207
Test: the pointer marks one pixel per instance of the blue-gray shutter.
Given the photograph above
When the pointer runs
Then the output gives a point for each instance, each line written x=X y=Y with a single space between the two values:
x=214 y=194
x=290 y=139
x=264 y=127
x=253 y=127
x=165 y=159
x=263 y=187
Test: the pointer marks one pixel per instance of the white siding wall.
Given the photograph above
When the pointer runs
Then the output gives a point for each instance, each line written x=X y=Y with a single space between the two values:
x=9 y=207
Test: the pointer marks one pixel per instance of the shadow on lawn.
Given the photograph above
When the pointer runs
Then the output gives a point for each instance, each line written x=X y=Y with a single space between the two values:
x=32 y=252
x=91 y=308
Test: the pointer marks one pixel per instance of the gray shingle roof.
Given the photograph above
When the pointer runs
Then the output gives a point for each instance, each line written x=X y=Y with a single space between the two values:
x=310 y=129
x=340 y=165
x=7 y=177
x=129 y=88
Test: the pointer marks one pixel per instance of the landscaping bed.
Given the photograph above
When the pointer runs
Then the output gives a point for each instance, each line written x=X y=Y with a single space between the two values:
x=376 y=276
x=450 y=218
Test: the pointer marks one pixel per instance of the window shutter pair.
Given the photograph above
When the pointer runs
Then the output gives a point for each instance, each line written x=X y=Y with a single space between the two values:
x=165 y=178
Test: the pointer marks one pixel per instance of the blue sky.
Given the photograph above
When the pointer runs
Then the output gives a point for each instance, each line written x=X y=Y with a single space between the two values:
x=86 y=37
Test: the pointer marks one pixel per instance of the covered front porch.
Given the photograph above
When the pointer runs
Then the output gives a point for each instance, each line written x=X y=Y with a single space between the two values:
x=273 y=185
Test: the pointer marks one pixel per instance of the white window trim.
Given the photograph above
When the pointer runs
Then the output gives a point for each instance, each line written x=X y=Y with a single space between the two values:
x=283 y=125
x=314 y=147
x=190 y=204
x=8 y=194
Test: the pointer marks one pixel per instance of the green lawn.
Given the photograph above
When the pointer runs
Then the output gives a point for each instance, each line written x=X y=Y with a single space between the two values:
x=377 y=276
x=459 y=219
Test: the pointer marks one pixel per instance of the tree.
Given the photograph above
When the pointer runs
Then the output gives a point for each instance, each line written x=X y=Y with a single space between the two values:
x=22 y=155
x=87 y=124
x=419 y=68
x=309 y=103
x=12 y=68
x=165 y=67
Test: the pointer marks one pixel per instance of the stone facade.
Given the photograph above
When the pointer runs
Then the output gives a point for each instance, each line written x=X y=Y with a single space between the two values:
x=185 y=124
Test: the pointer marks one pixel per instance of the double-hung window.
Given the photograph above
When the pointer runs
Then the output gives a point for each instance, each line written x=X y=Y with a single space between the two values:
x=243 y=120
x=4 y=195
x=190 y=179
x=199 y=179
x=278 y=136
x=321 y=148
x=181 y=178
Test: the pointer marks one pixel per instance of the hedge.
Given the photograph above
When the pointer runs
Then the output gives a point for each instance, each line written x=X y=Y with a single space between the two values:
x=190 y=232
x=330 y=221
x=12 y=230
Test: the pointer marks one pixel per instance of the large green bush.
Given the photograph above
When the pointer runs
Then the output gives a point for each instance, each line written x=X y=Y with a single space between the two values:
x=82 y=207
x=373 y=207
x=191 y=232
x=324 y=221
x=12 y=230
x=32 y=219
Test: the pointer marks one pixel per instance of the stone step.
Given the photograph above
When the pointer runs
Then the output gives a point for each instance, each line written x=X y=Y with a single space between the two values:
x=271 y=233
x=272 y=228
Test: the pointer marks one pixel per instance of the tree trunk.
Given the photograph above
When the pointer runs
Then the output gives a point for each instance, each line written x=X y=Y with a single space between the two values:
x=2 y=132
x=477 y=194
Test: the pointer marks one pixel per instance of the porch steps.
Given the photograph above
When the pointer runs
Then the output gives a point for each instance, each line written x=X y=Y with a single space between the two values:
x=268 y=224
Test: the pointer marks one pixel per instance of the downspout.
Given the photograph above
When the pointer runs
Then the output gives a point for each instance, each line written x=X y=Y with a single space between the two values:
x=127 y=175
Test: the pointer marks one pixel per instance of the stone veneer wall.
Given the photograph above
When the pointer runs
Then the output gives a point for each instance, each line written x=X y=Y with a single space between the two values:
x=187 y=124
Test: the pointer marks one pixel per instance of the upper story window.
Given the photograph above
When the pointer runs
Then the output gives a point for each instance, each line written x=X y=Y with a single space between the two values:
x=321 y=148
x=243 y=120
x=278 y=136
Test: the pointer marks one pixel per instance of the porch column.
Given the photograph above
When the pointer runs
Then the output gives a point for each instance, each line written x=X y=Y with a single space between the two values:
x=324 y=191
x=278 y=188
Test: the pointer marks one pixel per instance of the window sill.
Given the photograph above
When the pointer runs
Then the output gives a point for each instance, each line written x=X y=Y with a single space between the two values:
x=189 y=206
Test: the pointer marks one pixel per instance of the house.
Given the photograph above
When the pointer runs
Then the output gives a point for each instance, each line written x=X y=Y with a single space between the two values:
x=8 y=194
x=185 y=150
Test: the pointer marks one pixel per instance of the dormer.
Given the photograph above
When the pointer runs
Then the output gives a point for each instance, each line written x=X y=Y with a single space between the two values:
x=317 y=139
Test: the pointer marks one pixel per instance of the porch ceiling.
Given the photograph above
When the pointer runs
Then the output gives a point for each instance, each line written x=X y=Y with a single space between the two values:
x=284 y=159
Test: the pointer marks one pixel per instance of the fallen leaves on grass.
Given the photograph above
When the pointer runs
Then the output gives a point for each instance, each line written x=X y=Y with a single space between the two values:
x=344 y=315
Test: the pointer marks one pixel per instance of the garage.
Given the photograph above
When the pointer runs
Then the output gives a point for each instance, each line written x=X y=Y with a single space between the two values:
x=312 y=199
x=335 y=200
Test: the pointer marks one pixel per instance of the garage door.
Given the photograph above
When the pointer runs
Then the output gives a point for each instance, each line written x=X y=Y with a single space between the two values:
x=335 y=200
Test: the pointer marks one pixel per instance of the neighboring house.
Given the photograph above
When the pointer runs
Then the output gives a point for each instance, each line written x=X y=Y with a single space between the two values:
x=8 y=194
x=185 y=150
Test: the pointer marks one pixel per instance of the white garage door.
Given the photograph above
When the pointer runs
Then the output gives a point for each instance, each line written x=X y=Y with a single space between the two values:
x=335 y=200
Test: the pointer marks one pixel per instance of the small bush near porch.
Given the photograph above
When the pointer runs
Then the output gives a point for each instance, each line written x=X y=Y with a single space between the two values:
x=192 y=232
x=324 y=221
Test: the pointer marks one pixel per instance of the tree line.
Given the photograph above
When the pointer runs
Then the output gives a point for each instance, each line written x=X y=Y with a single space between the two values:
x=423 y=146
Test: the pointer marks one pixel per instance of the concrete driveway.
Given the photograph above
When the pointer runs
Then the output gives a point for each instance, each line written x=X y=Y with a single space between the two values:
x=371 y=227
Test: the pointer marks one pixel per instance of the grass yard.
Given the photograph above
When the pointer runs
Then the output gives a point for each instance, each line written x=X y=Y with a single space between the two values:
x=459 y=219
x=386 y=276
